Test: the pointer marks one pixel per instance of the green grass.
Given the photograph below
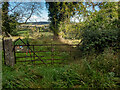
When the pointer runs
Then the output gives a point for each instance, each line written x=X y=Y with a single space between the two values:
x=93 y=71
x=79 y=74
x=22 y=32
x=99 y=71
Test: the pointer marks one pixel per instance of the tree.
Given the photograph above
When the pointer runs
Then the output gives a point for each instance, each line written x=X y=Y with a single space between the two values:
x=61 y=12
x=119 y=11
x=5 y=18
x=13 y=23
x=13 y=12
x=101 y=29
x=53 y=10
x=119 y=18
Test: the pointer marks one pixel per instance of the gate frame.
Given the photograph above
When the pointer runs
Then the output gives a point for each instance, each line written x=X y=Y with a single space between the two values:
x=33 y=51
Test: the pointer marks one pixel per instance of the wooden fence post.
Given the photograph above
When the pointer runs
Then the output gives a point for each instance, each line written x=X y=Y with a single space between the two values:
x=9 y=53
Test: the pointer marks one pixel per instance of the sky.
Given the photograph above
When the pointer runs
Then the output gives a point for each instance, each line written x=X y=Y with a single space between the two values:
x=35 y=18
x=44 y=15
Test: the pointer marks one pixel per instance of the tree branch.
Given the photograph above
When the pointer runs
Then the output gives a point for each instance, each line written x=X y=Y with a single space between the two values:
x=15 y=7
x=30 y=13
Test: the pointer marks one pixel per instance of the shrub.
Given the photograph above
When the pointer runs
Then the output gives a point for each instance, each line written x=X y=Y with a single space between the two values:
x=99 y=39
x=100 y=30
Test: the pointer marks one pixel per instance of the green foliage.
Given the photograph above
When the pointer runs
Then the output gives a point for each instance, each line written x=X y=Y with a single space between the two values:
x=99 y=39
x=13 y=24
x=61 y=12
x=70 y=30
x=108 y=61
x=9 y=22
x=101 y=30
x=5 y=18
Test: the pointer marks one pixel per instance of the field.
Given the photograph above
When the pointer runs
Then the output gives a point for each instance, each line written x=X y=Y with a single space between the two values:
x=60 y=45
x=91 y=71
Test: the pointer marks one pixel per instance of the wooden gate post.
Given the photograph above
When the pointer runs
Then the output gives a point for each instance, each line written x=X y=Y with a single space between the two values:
x=9 y=53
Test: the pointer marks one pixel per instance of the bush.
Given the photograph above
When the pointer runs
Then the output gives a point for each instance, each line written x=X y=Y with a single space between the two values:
x=100 y=30
x=99 y=39
x=14 y=32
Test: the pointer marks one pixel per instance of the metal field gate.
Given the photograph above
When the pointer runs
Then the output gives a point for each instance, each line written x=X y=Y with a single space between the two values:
x=43 y=53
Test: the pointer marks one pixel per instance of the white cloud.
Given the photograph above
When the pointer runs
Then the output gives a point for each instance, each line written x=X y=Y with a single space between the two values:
x=76 y=18
x=35 y=18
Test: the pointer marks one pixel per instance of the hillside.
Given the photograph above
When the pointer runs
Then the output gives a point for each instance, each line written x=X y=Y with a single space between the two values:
x=38 y=23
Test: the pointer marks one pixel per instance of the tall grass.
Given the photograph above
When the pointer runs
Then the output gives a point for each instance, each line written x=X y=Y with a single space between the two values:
x=99 y=71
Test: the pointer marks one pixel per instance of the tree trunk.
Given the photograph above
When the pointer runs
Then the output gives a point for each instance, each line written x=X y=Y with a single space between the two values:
x=119 y=20
x=57 y=37
x=119 y=10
